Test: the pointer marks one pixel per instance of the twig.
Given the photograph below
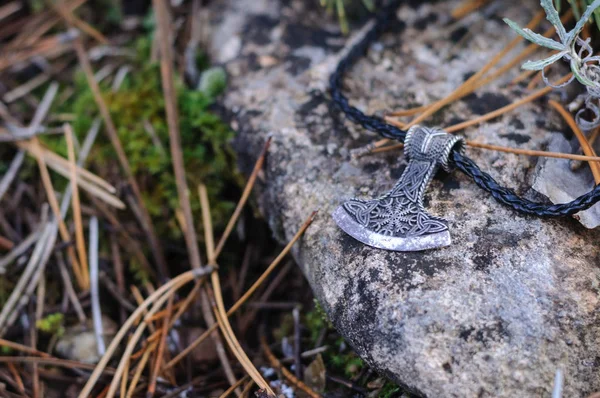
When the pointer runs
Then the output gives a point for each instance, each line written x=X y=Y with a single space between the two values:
x=558 y=384
x=166 y=68
x=138 y=334
x=62 y=227
x=246 y=296
x=234 y=386
x=26 y=88
x=247 y=389
x=64 y=273
x=161 y=349
x=9 y=9
x=297 y=350
x=116 y=292
x=467 y=7
x=471 y=82
x=11 y=173
x=476 y=81
x=94 y=291
x=160 y=294
x=119 y=273
x=19 y=249
x=39 y=312
x=245 y=195
x=65 y=363
x=139 y=369
x=516 y=151
x=73 y=21
x=32 y=265
x=286 y=373
x=531 y=152
x=220 y=312
x=249 y=316
x=6 y=244
x=79 y=237
x=22 y=348
x=93 y=184
x=18 y=380
x=531 y=97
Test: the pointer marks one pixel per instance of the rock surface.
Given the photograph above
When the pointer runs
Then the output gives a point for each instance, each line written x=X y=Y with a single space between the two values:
x=514 y=298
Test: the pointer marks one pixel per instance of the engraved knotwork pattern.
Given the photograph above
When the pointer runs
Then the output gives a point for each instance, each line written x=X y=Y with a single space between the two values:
x=399 y=213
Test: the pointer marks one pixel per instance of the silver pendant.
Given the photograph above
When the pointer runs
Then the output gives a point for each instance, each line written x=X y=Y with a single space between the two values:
x=398 y=221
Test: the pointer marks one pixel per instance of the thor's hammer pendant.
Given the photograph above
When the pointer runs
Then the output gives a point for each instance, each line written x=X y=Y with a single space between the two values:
x=398 y=221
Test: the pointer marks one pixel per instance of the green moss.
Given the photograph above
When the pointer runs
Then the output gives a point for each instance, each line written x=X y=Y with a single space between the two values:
x=316 y=320
x=205 y=140
x=52 y=324
x=389 y=390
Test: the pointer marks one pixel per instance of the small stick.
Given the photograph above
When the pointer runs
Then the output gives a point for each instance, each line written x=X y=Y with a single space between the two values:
x=516 y=151
x=18 y=380
x=161 y=348
x=64 y=273
x=407 y=112
x=166 y=67
x=286 y=373
x=119 y=272
x=9 y=9
x=245 y=195
x=94 y=291
x=297 y=350
x=39 y=312
x=139 y=369
x=23 y=298
x=534 y=82
x=498 y=112
x=6 y=244
x=158 y=296
x=234 y=386
x=246 y=390
x=249 y=316
x=219 y=308
x=49 y=360
x=11 y=173
x=472 y=81
x=26 y=88
x=246 y=295
x=73 y=21
x=22 y=348
x=466 y=7
x=114 y=290
x=79 y=237
x=62 y=228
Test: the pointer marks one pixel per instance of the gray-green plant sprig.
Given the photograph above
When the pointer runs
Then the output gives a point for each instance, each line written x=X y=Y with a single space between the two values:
x=578 y=52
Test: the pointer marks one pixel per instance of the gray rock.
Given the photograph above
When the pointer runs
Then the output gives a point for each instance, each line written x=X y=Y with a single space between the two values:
x=78 y=343
x=555 y=179
x=513 y=299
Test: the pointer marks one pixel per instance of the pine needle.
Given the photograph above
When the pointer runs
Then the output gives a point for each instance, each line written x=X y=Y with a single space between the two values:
x=79 y=237
x=220 y=313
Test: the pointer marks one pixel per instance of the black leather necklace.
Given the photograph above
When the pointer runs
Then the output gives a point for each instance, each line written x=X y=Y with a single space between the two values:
x=398 y=220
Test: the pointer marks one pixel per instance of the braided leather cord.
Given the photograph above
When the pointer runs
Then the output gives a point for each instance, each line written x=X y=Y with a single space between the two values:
x=463 y=163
